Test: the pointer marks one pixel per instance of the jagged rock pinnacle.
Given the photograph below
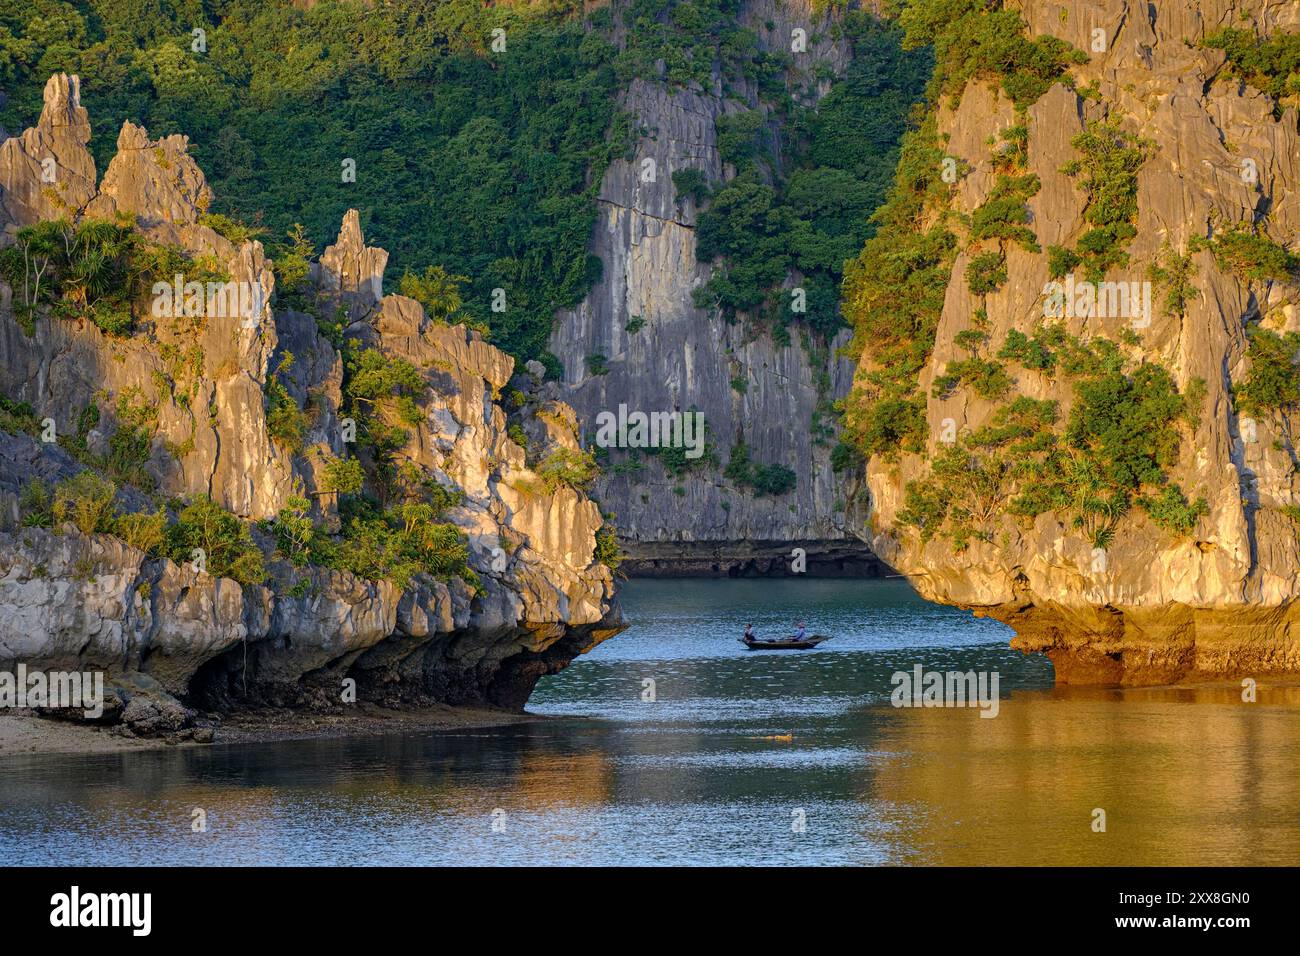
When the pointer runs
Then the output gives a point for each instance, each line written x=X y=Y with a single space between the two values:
x=47 y=172
x=351 y=267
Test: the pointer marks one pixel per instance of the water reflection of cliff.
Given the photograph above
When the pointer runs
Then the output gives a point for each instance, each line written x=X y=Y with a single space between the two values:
x=1187 y=776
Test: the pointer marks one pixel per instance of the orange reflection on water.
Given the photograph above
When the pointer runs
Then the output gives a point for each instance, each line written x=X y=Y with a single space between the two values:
x=1185 y=775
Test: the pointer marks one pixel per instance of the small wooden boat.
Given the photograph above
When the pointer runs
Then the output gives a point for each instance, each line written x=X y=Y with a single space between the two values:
x=788 y=644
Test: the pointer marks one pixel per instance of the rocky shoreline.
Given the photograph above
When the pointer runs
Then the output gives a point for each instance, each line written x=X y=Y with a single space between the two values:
x=25 y=732
x=1155 y=646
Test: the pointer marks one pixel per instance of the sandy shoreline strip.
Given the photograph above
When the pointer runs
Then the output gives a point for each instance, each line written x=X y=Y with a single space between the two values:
x=23 y=732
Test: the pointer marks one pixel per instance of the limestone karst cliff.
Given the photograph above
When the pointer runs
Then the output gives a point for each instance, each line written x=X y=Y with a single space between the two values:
x=665 y=353
x=1009 y=493
x=204 y=392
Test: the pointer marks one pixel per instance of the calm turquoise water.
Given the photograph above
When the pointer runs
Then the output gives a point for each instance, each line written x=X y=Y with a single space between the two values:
x=694 y=776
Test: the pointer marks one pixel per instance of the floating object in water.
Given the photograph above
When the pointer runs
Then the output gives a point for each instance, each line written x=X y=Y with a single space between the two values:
x=787 y=644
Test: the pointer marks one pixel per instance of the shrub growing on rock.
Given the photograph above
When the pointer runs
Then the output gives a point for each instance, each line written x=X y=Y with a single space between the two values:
x=1273 y=382
x=87 y=500
x=763 y=479
x=344 y=476
x=567 y=467
x=144 y=531
x=205 y=529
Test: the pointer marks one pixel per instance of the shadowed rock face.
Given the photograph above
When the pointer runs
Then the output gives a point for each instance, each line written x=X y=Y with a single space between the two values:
x=162 y=630
x=1156 y=608
x=683 y=357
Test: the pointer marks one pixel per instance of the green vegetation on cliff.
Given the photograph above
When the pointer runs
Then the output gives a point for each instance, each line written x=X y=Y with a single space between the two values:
x=200 y=533
x=1270 y=64
x=983 y=39
x=1246 y=252
x=1273 y=381
x=761 y=479
x=1113 y=452
x=893 y=296
x=690 y=38
x=390 y=545
x=1115 y=449
x=1106 y=167
x=807 y=182
x=377 y=544
x=98 y=269
x=392 y=523
x=204 y=531
x=893 y=292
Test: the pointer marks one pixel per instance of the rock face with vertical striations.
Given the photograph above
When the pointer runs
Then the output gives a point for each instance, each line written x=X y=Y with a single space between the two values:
x=168 y=632
x=1148 y=604
x=664 y=354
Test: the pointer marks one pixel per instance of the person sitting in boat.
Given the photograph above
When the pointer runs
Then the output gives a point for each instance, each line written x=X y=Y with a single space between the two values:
x=800 y=634
x=749 y=633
